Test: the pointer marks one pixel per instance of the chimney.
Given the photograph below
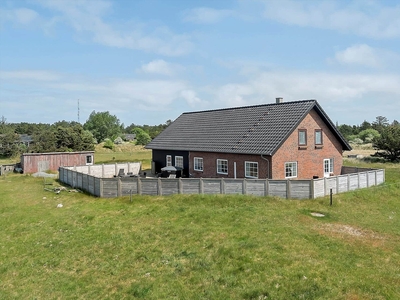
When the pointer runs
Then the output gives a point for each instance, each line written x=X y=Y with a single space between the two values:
x=279 y=100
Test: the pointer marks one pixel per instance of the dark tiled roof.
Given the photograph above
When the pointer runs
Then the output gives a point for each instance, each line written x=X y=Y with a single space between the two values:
x=259 y=129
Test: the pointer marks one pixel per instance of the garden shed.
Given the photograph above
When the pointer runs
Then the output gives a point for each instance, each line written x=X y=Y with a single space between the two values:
x=41 y=162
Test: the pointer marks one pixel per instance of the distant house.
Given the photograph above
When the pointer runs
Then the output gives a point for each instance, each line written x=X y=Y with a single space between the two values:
x=129 y=137
x=41 y=162
x=292 y=140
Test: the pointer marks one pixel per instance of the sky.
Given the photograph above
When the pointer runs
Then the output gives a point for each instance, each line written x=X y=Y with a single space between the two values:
x=148 y=61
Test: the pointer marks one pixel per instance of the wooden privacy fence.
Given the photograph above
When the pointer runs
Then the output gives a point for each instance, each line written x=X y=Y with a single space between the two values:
x=290 y=189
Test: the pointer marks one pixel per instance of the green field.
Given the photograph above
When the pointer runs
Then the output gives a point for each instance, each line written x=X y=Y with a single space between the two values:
x=198 y=246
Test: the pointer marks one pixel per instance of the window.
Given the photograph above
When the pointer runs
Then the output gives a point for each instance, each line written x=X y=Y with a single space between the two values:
x=169 y=161
x=198 y=164
x=328 y=166
x=302 y=137
x=290 y=169
x=179 y=161
x=222 y=166
x=251 y=169
x=89 y=159
x=318 y=137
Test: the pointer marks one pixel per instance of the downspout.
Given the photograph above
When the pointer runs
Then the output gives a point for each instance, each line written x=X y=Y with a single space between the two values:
x=267 y=165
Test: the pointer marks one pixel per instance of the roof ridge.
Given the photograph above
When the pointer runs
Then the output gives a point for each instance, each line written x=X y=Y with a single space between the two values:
x=250 y=106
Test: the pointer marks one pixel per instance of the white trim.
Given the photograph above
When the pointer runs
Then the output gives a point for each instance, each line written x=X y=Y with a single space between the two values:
x=168 y=160
x=91 y=160
x=178 y=164
x=245 y=169
x=222 y=160
x=194 y=164
x=294 y=164
x=328 y=171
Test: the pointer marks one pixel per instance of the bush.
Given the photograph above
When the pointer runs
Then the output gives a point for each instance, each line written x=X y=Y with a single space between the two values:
x=108 y=144
x=118 y=141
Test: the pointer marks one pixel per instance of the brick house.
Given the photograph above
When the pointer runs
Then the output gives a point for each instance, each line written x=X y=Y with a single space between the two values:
x=282 y=140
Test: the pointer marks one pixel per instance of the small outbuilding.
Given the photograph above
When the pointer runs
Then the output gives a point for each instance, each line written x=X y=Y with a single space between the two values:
x=41 y=162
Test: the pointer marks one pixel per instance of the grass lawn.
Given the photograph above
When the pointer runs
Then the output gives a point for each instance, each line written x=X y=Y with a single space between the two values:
x=198 y=247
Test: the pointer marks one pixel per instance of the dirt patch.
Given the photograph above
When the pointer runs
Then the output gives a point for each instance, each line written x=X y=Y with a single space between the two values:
x=349 y=231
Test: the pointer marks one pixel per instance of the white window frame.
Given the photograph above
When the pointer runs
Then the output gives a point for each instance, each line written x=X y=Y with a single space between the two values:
x=221 y=165
x=198 y=164
x=248 y=165
x=177 y=163
x=294 y=169
x=91 y=160
x=168 y=161
x=328 y=166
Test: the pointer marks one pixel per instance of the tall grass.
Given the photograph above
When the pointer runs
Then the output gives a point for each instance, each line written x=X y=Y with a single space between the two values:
x=198 y=246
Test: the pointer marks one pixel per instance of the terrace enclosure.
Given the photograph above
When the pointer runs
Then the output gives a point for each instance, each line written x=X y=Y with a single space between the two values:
x=281 y=140
x=41 y=162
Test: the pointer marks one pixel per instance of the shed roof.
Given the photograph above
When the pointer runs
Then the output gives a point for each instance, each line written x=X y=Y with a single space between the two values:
x=259 y=129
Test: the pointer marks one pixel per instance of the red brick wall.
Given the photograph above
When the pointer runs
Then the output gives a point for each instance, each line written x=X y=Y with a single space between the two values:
x=309 y=160
x=210 y=164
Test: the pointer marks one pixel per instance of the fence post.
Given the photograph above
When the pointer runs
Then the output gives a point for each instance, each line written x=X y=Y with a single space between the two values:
x=266 y=187
x=348 y=182
x=244 y=187
x=116 y=169
x=101 y=187
x=119 y=187
x=180 y=185
x=312 y=188
x=159 y=187
x=222 y=186
x=325 y=186
x=337 y=184
x=201 y=186
x=102 y=171
x=288 y=191
x=139 y=186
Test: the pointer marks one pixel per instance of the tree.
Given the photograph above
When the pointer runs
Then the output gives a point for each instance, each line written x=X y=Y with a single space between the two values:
x=380 y=123
x=368 y=135
x=103 y=125
x=44 y=141
x=73 y=138
x=142 y=137
x=345 y=130
x=389 y=143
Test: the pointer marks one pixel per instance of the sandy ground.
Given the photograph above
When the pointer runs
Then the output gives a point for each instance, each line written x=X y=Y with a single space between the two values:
x=364 y=150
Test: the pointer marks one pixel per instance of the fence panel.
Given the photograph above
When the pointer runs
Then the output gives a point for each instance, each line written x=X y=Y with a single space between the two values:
x=277 y=188
x=380 y=176
x=300 y=189
x=233 y=186
x=110 y=187
x=330 y=183
x=169 y=187
x=256 y=187
x=342 y=183
x=353 y=182
x=211 y=186
x=191 y=186
x=149 y=186
x=362 y=177
x=319 y=188
x=129 y=184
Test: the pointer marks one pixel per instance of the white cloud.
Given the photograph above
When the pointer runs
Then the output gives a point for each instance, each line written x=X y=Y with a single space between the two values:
x=370 y=19
x=21 y=16
x=88 y=17
x=296 y=85
x=205 y=15
x=191 y=98
x=364 y=55
x=159 y=66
